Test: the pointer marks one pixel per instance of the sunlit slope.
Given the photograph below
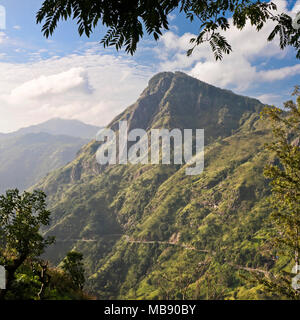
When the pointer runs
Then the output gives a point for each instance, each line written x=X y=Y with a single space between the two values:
x=151 y=231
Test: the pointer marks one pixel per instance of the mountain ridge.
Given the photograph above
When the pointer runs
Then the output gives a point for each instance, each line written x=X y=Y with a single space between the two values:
x=163 y=87
x=136 y=223
x=59 y=126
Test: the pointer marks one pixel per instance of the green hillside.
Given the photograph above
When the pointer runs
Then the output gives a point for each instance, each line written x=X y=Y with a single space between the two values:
x=152 y=232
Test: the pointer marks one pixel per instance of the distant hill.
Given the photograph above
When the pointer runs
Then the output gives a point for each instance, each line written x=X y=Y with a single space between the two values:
x=152 y=232
x=28 y=154
x=25 y=159
x=57 y=126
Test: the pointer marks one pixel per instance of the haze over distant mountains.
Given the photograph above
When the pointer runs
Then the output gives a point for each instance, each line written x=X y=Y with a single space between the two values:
x=58 y=126
x=28 y=154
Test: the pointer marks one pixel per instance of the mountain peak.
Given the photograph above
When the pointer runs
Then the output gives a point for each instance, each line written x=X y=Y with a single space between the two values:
x=168 y=76
x=177 y=100
x=155 y=206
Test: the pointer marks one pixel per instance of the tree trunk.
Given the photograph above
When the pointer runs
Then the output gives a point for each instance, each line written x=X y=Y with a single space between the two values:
x=10 y=274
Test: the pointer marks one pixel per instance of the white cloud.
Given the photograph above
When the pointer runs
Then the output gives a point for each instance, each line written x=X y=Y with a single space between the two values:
x=46 y=86
x=95 y=85
x=3 y=37
x=171 y=16
x=295 y=9
x=268 y=98
x=17 y=27
x=237 y=70
x=279 y=74
x=92 y=88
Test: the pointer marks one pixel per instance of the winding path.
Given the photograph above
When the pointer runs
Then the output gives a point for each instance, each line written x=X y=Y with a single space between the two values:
x=130 y=240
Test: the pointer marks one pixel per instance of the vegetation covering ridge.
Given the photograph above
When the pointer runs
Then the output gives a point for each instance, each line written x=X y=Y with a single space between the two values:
x=150 y=231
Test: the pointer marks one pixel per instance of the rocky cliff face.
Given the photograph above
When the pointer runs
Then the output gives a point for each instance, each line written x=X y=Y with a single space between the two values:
x=175 y=100
x=139 y=225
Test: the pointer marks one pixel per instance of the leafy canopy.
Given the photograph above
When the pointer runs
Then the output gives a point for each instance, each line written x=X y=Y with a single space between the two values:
x=73 y=267
x=126 y=20
x=284 y=174
x=21 y=217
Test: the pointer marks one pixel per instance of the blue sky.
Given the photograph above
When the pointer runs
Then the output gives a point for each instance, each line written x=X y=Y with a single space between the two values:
x=71 y=77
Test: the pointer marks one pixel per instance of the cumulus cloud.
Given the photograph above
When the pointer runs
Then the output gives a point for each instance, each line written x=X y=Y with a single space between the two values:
x=94 y=85
x=46 y=86
x=278 y=74
x=95 y=91
x=238 y=70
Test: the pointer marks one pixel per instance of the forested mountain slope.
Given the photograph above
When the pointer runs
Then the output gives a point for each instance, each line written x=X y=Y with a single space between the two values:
x=151 y=231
